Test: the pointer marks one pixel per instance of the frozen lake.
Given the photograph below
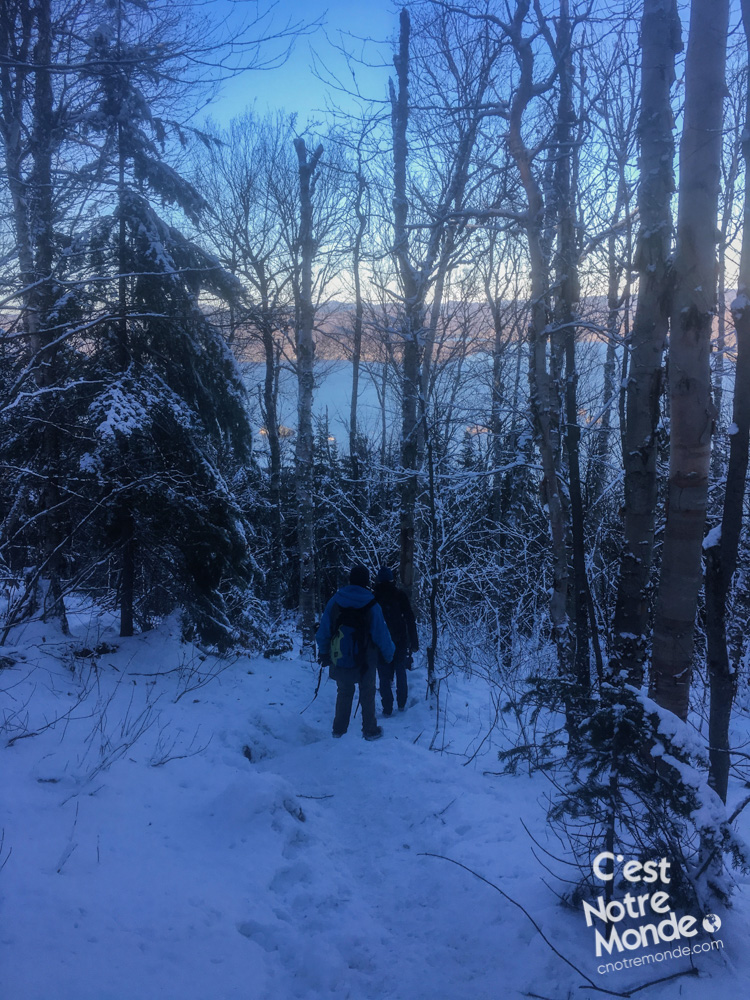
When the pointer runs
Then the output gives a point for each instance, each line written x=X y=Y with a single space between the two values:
x=460 y=395
x=462 y=391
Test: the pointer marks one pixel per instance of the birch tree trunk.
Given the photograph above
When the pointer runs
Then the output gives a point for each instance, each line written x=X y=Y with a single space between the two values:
x=308 y=163
x=691 y=409
x=660 y=35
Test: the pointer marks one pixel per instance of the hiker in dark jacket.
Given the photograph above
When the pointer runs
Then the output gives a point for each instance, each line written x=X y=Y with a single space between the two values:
x=399 y=618
x=347 y=666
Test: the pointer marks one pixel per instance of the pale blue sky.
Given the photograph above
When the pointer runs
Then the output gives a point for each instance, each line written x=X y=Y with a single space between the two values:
x=294 y=86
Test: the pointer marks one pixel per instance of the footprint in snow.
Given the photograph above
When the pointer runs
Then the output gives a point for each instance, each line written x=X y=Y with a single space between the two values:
x=291 y=877
x=264 y=936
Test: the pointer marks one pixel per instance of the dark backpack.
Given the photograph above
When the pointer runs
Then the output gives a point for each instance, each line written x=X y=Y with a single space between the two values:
x=391 y=602
x=350 y=634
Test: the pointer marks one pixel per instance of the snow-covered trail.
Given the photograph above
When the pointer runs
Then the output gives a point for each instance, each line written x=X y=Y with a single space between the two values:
x=389 y=921
x=301 y=873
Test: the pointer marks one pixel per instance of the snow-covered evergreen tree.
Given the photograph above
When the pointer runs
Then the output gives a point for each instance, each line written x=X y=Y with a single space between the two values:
x=170 y=410
x=125 y=412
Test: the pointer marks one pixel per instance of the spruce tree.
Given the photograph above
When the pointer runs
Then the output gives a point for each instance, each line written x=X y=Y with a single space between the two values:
x=168 y=419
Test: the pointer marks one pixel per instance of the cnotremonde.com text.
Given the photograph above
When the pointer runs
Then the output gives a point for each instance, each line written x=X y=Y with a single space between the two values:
x=647 y=906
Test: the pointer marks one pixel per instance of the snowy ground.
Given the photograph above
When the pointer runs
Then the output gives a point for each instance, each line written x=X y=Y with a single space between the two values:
x=175 y=839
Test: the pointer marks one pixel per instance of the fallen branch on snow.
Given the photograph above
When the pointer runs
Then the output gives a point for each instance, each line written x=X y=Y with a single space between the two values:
x=590 y=982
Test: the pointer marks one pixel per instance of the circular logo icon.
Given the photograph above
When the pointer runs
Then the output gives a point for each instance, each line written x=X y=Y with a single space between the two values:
x=711 y=923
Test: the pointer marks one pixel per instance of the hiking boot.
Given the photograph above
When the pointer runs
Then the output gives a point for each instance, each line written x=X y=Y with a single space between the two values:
x=375 y=734
x=402 y=708
x=387 y=712
x=337 y=736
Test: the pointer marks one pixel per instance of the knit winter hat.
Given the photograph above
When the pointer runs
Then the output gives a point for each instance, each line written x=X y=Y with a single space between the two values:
x=385 y=575
x=359 y=576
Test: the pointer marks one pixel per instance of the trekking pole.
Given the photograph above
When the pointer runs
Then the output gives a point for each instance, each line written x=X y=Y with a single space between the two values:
x=317 y=688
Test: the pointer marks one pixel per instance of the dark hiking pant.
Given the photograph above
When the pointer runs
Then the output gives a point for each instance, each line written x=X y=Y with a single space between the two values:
x=386 y=672
x=346 y=683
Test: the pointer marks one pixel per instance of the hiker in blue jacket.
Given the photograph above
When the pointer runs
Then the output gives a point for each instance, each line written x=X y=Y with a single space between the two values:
x=351 y=637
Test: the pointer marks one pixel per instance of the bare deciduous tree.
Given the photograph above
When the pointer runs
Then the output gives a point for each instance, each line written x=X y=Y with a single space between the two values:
x=660 y=41
x=691 y=408
x=722 y=547
x=308 y=165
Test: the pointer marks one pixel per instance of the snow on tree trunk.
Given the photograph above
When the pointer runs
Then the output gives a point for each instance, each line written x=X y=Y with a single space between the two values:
x=691 y=409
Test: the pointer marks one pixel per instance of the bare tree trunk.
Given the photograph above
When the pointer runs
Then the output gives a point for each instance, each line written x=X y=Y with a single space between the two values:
x=602 y=449
x=544 y=400
x=382 y=397
x=43 y=296
x=308 y=164
x=566 y=299
x=505 y=446
x=22 y=52
x=413 y=320
x=354 y=447
x=721 y=320
x=496 y=415
x=691 y=409
x=417 y=278
x=125 y=509
x=271 y=421
x=434 y=544
x=16 y=55
x=721 y=557
x=16 y=44
x=429 y=340
x=626 y=328
x=127 y=570
x=660 y=39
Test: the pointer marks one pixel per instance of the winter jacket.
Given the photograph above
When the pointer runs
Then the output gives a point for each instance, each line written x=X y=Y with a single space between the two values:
x=399 y=617
x=352 y=596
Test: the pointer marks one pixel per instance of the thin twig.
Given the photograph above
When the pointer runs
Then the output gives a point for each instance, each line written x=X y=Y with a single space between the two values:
x=591 y=984
x=523 y=910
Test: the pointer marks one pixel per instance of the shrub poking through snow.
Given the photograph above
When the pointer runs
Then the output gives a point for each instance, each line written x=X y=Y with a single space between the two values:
x=633 y=783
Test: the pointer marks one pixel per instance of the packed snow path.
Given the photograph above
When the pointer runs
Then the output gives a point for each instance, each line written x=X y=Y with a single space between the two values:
x=223 y=846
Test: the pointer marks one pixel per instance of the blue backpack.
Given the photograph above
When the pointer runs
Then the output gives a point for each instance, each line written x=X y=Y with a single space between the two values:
x=350 y=634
